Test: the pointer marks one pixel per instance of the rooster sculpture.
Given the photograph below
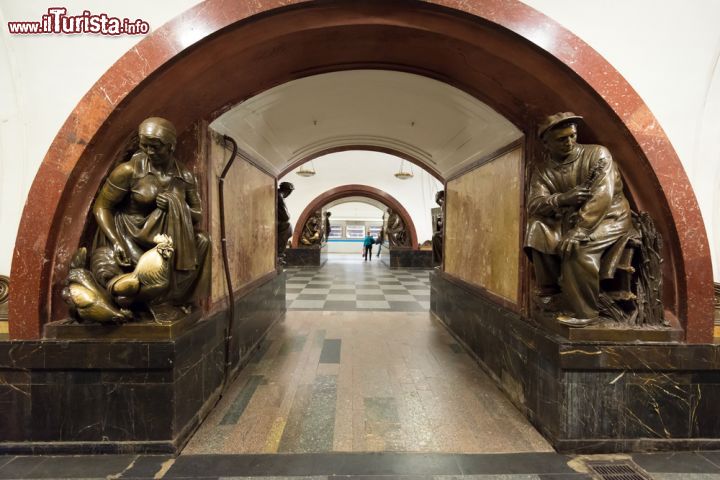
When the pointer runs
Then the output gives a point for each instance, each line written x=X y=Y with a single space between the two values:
x=151 y=278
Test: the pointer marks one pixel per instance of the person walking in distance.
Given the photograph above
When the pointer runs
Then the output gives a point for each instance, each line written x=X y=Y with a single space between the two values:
x=367 y=244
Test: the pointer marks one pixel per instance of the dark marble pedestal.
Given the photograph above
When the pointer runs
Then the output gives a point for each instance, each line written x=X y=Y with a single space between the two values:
x=123 y=395
x=306 y=256
x=589 y=396
x=409 y=258
x=609 y=330
x=144 y=330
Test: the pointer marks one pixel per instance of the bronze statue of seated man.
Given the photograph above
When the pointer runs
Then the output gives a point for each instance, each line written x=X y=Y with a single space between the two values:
x=579 y=221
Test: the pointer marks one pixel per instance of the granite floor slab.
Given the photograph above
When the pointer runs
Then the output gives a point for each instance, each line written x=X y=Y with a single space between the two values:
x=364 y=381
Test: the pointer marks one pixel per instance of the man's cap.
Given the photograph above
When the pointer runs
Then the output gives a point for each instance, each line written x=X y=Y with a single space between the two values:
x=552 y=121
x=286 y=186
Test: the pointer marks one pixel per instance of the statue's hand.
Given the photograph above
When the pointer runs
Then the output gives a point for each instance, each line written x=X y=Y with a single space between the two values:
x=575 y=197
x=121 y=256
x=162 y=201
x=570 y=242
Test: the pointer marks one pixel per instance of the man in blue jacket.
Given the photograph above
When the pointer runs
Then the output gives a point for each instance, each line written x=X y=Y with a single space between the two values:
x=367 y=244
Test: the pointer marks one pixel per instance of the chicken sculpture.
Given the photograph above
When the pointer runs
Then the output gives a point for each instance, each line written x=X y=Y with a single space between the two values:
x=87 y=300
x=149 y=281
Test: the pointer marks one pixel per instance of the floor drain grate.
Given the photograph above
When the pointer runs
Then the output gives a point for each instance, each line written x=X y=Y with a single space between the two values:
x=617 y=471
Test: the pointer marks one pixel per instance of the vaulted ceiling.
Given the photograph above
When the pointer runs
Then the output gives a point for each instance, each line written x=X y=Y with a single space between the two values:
x=438 y=125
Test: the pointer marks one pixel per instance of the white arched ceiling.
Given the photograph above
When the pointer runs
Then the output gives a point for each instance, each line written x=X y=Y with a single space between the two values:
x=428 y=120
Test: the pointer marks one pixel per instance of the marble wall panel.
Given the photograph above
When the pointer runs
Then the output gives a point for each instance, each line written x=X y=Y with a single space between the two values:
x=482 y=231
x=249 y=222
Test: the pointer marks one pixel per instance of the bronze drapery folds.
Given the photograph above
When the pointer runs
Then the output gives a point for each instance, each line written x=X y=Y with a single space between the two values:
x=148 y=255
x=437 y=238
x=593 y=257
x=284 y=229
x=327 y=226
x=312 y=233
x=396 y=231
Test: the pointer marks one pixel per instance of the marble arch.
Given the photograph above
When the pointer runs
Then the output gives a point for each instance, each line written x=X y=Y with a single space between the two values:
x=490 y=49
x=346 y=191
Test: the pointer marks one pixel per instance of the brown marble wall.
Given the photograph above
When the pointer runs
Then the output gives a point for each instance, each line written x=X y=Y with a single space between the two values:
x=482 y=230
x=249 y=222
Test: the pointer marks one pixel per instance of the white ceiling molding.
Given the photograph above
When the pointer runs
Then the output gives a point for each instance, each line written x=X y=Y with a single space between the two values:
x=430 y=121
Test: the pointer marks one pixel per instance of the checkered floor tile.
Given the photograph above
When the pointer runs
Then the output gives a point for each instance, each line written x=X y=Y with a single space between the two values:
x=348 y=283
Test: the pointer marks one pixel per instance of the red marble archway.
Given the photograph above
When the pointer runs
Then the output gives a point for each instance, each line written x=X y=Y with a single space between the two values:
x=346 y=191
x=487 y=48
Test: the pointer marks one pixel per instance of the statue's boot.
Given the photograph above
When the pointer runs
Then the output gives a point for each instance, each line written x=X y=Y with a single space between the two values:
x=576 y=322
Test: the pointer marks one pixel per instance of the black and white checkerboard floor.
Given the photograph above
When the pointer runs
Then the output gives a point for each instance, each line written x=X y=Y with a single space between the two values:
x=347 y=283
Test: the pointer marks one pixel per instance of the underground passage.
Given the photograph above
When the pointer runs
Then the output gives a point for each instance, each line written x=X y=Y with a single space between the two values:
x=411 y=235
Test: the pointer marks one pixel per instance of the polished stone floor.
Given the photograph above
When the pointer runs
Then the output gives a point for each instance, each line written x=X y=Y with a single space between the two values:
x=375 y=375
x=361 y=382
x=353 y=466
x=363 y=375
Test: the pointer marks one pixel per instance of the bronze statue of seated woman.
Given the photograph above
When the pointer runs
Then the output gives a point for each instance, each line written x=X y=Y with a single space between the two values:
x=147 y=253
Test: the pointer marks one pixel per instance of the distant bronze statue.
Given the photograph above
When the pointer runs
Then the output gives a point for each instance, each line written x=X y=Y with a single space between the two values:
x=284 y=229
x=312 y=233
x=380 y=238
x=437 y=238
x=592 y=256
x=327 y=226
x=395 y=230
x=148 y=254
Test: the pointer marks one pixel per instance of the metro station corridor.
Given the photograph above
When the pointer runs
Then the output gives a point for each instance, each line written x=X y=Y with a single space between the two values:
x=360 y=365
x=182 y=290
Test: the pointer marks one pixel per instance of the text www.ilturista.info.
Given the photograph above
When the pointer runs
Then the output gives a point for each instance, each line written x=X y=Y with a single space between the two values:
x=58 y=22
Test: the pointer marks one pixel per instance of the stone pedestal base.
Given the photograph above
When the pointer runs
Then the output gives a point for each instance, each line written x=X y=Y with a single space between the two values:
x=306 y=257
x=126 y=395
x=146 y=330
x=409 y=258
x=589 y=396
x=608 y=330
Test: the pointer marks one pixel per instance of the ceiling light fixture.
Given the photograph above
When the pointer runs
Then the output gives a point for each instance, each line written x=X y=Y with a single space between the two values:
x=404 y=175
x=306 y=171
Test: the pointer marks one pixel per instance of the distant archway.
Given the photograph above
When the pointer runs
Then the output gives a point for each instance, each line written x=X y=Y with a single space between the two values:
x=346 y=191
